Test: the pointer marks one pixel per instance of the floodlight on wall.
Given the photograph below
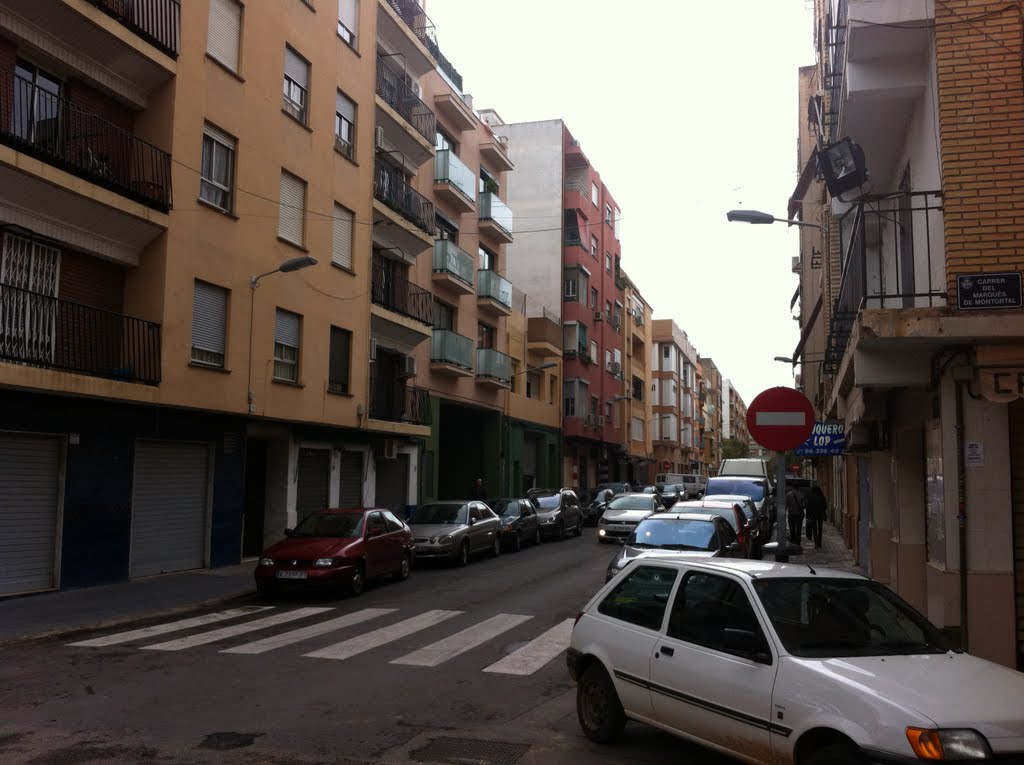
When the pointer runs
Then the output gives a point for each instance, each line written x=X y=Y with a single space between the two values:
x=843 y=166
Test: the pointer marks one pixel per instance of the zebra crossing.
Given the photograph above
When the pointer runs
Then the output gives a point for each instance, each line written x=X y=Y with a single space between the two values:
x=378 y=627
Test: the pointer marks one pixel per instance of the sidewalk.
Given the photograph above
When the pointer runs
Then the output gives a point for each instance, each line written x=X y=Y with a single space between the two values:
x=833 y=552
x=56 y=612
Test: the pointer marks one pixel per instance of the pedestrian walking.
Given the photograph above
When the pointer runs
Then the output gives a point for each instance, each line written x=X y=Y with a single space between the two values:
x=794 y=514
x=817 y=507
x=478 y=491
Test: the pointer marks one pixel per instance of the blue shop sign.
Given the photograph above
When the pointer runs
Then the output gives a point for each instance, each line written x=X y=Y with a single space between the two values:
x=827 y=440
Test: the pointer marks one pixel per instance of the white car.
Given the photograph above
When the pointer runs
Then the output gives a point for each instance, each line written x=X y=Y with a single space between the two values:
x=781 y=663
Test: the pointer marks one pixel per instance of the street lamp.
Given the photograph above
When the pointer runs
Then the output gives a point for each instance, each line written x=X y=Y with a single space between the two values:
x=802 y=360
x=292 y=264
x=758 y=217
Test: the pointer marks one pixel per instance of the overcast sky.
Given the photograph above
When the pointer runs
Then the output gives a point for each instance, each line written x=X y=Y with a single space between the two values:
x=687 y=109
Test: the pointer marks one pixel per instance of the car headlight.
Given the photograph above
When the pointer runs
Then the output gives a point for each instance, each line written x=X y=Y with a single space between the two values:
x=445 y=540
x=948 y=744
x=266 y=561
x=601 y=532
x=323 y=562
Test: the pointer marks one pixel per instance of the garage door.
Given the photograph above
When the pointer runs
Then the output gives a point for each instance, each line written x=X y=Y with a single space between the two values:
x=351 y=480
x=1016 y=412
x=170 y=503
x=393 y=484
x=29 y=481
x=529 y=461
x=314 y=489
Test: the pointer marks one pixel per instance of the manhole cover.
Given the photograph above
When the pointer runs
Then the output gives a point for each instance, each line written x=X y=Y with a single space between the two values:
x=467 y=751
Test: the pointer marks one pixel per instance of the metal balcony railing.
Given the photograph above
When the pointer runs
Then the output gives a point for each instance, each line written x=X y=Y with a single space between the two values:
x=493 y=209
x=491 y=285
x=394 y=401
x=398 y=294
x=493 y=365
x=448 y=347
x=45 y=331
x=61 y=133
x=421 y=25
x=158 y=22
x=451 y=259
x=389 y=187
x=448 y=168
x=397 y=94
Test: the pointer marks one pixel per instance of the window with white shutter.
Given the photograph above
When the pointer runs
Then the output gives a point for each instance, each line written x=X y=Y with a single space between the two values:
x=296 y=85
x=209 y=323
x=293 y=209
x=348 y=21
x=345 y=125
x=224 y=33
x=341 y=253
x=217 y=172
x=287 y=331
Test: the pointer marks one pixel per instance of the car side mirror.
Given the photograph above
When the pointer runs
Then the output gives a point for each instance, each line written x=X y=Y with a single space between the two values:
x=289 y=532
x=746 y=643
x=472 y=521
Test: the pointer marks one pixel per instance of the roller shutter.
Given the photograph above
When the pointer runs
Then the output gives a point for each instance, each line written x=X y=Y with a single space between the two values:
x=351 y=480
x=29 y=482
x=313 y=492
x=529 y=460
x=170 y=507
x=1016 y=416
x=393 y=484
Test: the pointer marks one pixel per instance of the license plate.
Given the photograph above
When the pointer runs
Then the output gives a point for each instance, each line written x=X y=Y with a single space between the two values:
x=291 y=574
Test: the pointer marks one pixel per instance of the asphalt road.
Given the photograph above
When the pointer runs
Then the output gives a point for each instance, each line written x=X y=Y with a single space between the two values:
x=477 y=676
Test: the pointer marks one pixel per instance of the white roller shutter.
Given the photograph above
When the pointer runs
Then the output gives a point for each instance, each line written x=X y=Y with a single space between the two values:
x=342 y=240
x=29 y=481
x=209 y=320
x=293 y=208
x=225 y=29
x=348 y=14
x=170 y=504
x=296 y=68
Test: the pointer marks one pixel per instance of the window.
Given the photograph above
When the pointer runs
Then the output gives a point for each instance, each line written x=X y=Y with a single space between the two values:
x=706 y=606
x=209 y=323
x=593 y=245
x=607 y=213
x=664 y=351
x=533 y=385
x=36 y=115
x=487 y=259
x=376 y=524
x=485 y=336
x=618 y=357
x=571 y=286
x=608 y=360
x=446 y=229
x=637 y=429
x=348 y=20
x=608 y=262
x=287 y=330
x=296 y=84
x=594 y=351
x=608 y=308
x=344 y=125
x=595 y=194
x=218 y=168
x=594 y=404
x=574 y=396
x=340 y=360
x=487 y=182
x=569 y=398
x=608 y=413
x=290 y=225
x=223 y=38
x=444 y=142
x=341 y=239
x=444 y=315
x=393 y=523
x=594 y=298
x=641 y=597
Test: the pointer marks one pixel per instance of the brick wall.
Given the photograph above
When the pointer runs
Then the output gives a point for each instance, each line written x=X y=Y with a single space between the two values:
x=981 y=126
x=97 y=103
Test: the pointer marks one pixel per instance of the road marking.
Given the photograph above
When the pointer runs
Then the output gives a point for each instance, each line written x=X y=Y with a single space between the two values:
x=536 y=653
x=389 y=634
x=304 y=633
x=163 y=629
x=780 y=418
x=460 y=642
x=238 y=629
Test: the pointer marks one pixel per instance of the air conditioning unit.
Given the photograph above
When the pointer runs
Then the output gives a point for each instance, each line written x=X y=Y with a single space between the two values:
x=389 y=450
x=616 y=368
x=408 y=366
x=373 y=350
x=598 y=316
x=378 y=139
x=796 y=264
x=616 y=321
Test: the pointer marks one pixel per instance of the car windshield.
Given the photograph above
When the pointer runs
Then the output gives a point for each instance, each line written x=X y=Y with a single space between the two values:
x=330 y=525
x=547 y=503
x=682 y=534
x=748 y=487
x=649 y=490
x=822 y=617
x=505 y=507
x=630 y=503
x=667 y=488
x=446 y=514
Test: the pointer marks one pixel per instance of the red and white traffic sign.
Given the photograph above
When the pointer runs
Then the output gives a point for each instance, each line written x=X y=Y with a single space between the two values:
x=780 y=419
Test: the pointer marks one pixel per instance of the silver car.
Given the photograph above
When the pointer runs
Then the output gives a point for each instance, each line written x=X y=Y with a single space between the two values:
x=624 y=512
x=455 y=531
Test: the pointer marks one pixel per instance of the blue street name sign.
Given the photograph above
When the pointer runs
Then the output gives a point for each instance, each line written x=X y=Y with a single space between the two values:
x=827 y=440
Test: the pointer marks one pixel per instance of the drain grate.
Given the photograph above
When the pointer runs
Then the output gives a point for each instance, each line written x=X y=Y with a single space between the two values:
x=468 y=751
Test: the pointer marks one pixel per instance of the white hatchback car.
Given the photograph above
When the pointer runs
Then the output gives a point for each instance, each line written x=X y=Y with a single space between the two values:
x=781 y=663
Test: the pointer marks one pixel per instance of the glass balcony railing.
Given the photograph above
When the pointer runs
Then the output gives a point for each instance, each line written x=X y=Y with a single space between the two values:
x=450 y=347
x=493 y=209
x=448 y=168
x=490 y=284
x=493 y=365
x=449 y=258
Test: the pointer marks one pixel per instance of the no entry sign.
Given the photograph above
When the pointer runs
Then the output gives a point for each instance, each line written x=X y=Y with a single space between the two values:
x=780 y=419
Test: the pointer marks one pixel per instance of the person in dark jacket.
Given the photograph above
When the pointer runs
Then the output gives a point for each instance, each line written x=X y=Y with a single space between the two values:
x=817 y=506
x=794 y=514
x=478 y=491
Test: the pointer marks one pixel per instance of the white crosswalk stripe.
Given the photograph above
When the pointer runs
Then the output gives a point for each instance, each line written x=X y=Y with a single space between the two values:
x=238 y=629
x=536 y=653
x=304 y=633
x=460 y=642
x=379 y=637
x=163 y=629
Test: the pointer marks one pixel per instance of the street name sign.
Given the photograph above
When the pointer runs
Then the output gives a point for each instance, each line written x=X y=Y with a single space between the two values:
x=977 y=292
x=828 y=439
x=780 y=419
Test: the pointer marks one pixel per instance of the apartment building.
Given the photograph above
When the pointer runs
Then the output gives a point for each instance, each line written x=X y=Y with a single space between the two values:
x=675 y=398
x=712 y=411
x=911 y=296
x=639 y=455
x=569 y=261
x=734 y=414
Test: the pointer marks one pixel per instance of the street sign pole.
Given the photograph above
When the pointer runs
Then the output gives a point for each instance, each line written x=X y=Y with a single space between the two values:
x=781 y=513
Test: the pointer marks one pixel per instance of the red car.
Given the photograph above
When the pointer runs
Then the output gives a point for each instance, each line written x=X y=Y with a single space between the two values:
x=338 y=549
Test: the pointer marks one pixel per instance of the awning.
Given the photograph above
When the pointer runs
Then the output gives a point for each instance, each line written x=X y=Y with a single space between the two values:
x=796 y=199
x=807 y=330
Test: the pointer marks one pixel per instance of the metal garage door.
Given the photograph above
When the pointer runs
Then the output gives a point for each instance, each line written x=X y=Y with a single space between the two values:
x=170 y=505
x=393 y=484
x=351 y=480
x=314 y=489
x=529 y=461
x=29 y=480
x=1016 y=416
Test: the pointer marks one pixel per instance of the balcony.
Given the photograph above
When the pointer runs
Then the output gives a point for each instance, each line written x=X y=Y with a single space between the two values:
x=577 y=195
x=452 y=267
x=158 y=22
x=544 y=334
x=409 y=125
x=398 y=203
x=412 y=14
x=493 y=293
x=495 y=217
x=493 y=368
x=451 y=354
x=401 y=311
x=495 y=151
x=453 y=181
x=391 y=400
x=42 y=331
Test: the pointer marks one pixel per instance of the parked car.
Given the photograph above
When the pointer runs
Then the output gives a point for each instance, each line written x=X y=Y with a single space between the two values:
x=558 y=513
x=518 y=521
x=758 y=489
x=732 y=512
x=337 y=549
x=456 y=530
x=690 y=535
x=760 y=524
x=669 y=493
x=771 y=663
x=692 y=484
x=751 y=467
x=592 y=510
x=624 y=513
x=615 y=487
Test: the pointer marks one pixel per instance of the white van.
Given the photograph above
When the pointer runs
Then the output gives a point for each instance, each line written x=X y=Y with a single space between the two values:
x=692 y=483
x=755 y=468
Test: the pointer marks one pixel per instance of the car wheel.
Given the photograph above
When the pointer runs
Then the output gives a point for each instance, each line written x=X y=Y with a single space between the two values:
x=517 y=543
x=358 y=582
x=537 y=536
x=835 y=753
x=403 y=570
x=598 y=707
x=496 y=547
x=462 y=556
x=579 y=527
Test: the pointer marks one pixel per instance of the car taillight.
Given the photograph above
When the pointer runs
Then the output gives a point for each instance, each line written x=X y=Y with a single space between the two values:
x=577 y=619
